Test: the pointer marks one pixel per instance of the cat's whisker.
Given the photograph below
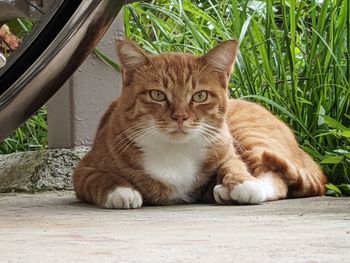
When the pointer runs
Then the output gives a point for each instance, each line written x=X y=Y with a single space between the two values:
x=126 y=144
x=236 y=144
x=147 y=134
x=117 y=144
x=219 y=133
x=216 y=133
x=121 y=143
x=210 y=144
x=212 y=127
x=134 y=137
x=127 y=140
x=138 y=126
x=213 y=136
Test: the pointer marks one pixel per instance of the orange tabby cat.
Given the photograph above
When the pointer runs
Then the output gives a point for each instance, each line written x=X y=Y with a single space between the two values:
x=173 y=136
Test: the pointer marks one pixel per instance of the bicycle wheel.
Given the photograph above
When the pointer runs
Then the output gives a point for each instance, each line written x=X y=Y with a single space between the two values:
x=66 y=34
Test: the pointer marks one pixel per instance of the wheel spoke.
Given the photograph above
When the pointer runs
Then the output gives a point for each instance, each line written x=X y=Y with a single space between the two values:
x=35 y=6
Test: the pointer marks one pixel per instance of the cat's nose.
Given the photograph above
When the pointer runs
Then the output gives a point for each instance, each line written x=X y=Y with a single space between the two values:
x=180 y=117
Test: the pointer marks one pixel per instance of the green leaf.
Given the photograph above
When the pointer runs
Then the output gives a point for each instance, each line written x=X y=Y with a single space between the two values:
x=334 y=123
x=333 y=190
x=20 y=26
x=106 y=59
x=332 y=193
x=332 y=160
x=345 y=134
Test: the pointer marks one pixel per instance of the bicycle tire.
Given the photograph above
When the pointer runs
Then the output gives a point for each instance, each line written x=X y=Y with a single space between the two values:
x=40 y=67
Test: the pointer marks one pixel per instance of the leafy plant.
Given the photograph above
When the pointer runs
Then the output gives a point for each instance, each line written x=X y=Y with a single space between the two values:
x=338 y=190
x=32 y=135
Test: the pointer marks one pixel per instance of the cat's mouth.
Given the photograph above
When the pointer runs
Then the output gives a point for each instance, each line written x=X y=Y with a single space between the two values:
x=178 y=133
x=178 y=136
x=179 y=130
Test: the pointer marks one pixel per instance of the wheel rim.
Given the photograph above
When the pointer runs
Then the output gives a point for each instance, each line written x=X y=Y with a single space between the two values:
x=57 y=62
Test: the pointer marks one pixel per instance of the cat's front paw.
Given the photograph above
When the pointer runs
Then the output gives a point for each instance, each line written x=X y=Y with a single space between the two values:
x=248 y=192
x=222 y=194
x=123 y=198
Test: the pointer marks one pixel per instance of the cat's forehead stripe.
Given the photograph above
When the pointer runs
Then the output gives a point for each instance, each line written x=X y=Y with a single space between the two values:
x=176 y=70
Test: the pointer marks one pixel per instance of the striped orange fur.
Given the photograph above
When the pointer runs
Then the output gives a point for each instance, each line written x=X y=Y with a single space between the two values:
x=174 y=136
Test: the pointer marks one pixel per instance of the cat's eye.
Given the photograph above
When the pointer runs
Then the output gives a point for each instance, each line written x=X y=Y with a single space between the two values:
x=200 y=96
x=157 y=95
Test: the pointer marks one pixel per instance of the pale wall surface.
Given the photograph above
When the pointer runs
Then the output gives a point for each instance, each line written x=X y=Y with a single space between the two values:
x=76 y=109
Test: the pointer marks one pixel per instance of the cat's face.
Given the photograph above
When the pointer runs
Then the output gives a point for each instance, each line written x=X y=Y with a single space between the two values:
x=176 y=97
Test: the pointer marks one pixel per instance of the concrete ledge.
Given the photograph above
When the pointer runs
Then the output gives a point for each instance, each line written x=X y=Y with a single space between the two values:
x=39 y=170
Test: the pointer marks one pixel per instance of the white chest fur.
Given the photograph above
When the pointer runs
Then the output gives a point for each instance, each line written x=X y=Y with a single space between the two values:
x=176 y=165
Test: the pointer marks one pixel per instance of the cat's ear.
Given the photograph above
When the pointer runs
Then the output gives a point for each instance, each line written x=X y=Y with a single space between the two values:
x=130 y=55
x=222 y=57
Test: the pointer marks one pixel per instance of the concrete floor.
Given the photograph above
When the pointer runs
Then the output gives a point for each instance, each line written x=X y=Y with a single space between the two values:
x=55 y=227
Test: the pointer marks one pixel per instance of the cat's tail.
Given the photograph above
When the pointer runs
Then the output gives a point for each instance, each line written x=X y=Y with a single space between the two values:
x=304 y=179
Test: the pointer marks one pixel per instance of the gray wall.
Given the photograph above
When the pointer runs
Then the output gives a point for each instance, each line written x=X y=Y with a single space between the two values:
x=74 y=112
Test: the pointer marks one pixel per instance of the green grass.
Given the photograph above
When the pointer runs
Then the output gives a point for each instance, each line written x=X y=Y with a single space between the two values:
x=294 y=59
x=32 y=135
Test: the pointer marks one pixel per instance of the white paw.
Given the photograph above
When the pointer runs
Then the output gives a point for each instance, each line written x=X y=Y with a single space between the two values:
x=221 y=194
x=124 y=198
x=248 y=192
